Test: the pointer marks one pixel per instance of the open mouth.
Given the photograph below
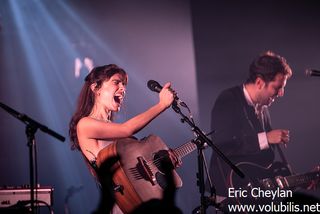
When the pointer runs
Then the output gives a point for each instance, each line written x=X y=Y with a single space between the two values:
x=118 y=98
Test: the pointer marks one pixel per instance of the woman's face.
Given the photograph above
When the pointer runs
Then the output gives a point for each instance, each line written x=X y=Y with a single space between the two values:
x=111 y=93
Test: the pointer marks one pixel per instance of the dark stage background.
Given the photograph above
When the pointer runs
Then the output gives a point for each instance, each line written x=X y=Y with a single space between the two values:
x=202 y=47
x=229 y=34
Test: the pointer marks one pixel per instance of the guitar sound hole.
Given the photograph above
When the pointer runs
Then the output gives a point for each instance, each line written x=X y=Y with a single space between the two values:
x=163 y=163
x=161 y=179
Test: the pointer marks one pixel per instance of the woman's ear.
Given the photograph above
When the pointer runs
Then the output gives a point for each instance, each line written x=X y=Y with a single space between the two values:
x=93 y=87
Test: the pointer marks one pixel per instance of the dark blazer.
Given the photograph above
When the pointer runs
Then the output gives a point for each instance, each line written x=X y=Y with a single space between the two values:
x=236 y=129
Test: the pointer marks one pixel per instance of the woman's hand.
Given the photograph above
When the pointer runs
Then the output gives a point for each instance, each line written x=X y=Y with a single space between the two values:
x=166 y=95
x=175 y=159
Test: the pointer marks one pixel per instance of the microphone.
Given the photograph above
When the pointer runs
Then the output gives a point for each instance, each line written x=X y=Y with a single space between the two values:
x=156 y=87
x=312 y=72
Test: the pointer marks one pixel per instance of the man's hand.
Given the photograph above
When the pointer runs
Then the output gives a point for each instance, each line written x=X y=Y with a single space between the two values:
x=315 y=183
x=278 y=136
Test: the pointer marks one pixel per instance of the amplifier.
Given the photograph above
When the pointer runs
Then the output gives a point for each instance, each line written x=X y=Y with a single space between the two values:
x=10 y=196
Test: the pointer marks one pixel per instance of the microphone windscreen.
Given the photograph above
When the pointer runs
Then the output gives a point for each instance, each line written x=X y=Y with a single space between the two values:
x=308 y=72
x=312 y=72
x=154 y=86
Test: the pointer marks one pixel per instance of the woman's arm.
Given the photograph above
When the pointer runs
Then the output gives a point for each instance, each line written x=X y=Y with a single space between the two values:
x=95 y=129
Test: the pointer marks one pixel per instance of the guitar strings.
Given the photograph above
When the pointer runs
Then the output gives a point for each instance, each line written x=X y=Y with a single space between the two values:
x=157 y=160
x=179 y=150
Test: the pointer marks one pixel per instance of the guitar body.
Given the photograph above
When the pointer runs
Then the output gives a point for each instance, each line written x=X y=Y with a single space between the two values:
x=255 y=176
x=137 y=173
x=277 y=177
x=258 y=176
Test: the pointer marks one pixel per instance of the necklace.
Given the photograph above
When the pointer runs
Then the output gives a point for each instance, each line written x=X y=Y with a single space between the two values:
x=104 y=120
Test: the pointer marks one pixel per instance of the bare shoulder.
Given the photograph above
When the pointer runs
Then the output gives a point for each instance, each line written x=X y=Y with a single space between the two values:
x=83 y=122
x=97 y=129
x=92 y=128
x=86 y=123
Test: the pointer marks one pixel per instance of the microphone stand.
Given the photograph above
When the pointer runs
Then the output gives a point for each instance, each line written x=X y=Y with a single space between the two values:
x=31 y=128
x=201 y=140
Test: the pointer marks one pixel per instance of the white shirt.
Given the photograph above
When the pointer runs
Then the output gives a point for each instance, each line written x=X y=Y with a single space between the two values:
x=262 y=136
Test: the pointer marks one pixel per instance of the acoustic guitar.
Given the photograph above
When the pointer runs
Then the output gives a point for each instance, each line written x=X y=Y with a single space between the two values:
x=137 y=173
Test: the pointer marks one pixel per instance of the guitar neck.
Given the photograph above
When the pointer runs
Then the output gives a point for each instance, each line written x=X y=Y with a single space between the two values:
x=185 y=149
x=297 y=180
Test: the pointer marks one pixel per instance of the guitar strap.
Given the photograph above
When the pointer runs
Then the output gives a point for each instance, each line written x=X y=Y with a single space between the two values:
x=92 y=166
x=266 y=115
x=284 y=159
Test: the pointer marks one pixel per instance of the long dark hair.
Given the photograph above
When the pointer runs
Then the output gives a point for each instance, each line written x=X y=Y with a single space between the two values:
x=86 y=98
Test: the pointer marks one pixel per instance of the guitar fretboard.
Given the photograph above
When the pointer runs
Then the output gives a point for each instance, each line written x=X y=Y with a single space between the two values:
x=185 y=149
x=297 y=180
